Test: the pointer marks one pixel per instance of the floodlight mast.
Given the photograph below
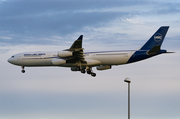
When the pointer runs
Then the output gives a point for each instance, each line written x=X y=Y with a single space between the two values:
x=127 y=80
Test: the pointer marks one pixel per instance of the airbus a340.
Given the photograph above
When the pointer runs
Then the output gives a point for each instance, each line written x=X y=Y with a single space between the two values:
x=78 y=60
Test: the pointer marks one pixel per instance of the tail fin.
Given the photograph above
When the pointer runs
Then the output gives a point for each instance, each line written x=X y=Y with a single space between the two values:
x=156 y=39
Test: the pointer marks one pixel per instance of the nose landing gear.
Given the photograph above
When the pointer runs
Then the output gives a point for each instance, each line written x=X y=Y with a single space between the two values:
x=23 y=71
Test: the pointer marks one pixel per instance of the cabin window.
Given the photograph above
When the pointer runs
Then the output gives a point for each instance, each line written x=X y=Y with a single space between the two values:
x=12 y=57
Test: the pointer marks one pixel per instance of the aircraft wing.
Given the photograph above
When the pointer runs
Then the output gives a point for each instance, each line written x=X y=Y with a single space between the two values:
x=78 y=54
x=77 y=45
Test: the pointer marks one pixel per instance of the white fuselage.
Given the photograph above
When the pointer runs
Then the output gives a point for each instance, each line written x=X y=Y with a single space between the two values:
x=33 y=59
x=78 y=60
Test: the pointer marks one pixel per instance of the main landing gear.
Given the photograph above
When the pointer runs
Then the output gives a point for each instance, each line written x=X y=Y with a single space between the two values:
x=88 y=70
x=23 y=71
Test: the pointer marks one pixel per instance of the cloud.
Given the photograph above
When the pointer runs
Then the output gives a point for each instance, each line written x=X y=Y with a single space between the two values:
x=59 y=18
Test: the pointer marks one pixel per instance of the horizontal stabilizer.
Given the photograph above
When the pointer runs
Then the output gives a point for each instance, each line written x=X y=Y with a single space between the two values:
x=154 y=50
x=170 y=52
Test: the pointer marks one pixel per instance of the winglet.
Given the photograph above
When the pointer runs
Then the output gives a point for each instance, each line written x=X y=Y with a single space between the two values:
x=170 y=52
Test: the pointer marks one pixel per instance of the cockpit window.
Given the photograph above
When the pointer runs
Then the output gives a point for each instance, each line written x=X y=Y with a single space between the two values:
x=12 y=57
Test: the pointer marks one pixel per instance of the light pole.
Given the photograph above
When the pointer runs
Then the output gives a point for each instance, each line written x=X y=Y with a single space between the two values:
x=127 y=80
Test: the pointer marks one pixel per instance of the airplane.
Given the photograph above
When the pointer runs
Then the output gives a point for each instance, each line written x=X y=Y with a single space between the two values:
x=78 y=60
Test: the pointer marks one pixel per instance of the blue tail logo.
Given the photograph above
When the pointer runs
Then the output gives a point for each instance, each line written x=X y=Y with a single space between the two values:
x=157 y=37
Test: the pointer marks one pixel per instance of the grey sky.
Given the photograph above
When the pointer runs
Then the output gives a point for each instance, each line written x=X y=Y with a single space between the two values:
x=54 y=92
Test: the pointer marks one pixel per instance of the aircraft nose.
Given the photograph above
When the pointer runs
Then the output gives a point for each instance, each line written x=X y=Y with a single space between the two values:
x=9 y=60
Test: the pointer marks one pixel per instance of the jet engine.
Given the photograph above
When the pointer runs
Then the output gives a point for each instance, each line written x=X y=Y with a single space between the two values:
x=57 y=62
x=103 y=67
x=65 y=54
x=75 y=68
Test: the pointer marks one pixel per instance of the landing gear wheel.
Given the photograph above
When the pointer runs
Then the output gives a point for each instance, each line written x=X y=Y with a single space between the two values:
x=83 y=71
x=93 y=74
x=23 y=71
x=89 y=72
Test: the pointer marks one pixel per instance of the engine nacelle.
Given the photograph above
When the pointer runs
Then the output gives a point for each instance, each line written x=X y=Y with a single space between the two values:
x=65 y=54
x=75 y=69
x=103 y=67
x=57 y=62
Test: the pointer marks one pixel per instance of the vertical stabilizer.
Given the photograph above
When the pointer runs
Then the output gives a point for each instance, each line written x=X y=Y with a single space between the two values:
x=156 y=39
